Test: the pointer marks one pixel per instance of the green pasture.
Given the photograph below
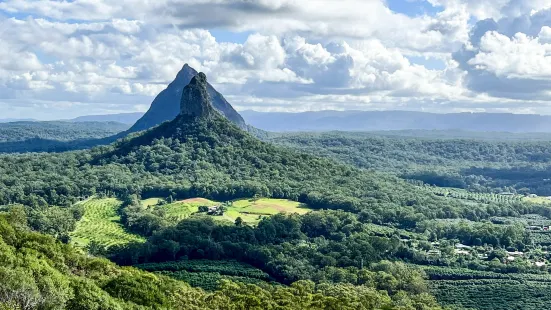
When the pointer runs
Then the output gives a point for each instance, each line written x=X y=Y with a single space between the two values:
x=101 y=224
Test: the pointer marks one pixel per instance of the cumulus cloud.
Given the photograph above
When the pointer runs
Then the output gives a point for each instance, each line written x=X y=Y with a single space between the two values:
x=110 y=56
x=517 y=57
x=510 y=57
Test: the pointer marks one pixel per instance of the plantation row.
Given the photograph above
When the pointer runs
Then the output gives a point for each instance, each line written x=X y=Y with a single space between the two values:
x=227 y=268
x=493 y=294
x=209 y=281
x=447 y=273
x=541 y=237
x=476 y=197
x=101 y=225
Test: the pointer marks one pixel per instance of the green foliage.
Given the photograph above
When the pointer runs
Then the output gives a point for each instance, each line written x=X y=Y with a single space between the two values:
x=230 y=268
x=100 y=226
x=210 y=281
x=337 y=259
x=54 y=136
x=492 y=294
x=38 y=272
x=58 y=130
x=481 y=166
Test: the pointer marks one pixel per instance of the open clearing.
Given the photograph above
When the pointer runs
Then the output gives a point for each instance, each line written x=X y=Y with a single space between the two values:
x=250 y=210
x=150 y=202
x=538 y=199
x=253 y=210
x=101 y=224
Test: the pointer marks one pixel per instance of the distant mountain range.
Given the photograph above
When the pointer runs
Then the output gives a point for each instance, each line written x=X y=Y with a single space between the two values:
x=396 y=120
x=344 y=120
x=11 y=120
x=166 y=107
x=124 y=118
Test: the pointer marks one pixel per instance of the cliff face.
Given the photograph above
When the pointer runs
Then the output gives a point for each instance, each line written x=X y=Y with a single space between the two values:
x=166 y=105
x=196 y=100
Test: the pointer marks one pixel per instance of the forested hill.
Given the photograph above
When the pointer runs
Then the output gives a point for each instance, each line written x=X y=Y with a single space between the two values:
x=56 y=136
x=58 y=130
x=483 y=166
x=206 y=157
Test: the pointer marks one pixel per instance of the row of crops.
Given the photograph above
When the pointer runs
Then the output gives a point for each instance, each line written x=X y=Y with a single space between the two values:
x=482 y=290
x=492 y=294
x=101 y=225
x=476 y=197
x=209 y=281
x=447 y=273
x=208 y=273
x=230 y=268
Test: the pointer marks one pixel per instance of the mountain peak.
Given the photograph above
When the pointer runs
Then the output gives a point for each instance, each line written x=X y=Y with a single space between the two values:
x=196 y=101
x=185 y=75
x=167 y=105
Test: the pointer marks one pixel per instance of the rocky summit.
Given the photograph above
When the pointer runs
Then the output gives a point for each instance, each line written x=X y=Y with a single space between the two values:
x=166 y=105
x=196 y=101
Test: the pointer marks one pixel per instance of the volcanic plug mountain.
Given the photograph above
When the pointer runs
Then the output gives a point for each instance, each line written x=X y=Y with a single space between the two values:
x=166 y=105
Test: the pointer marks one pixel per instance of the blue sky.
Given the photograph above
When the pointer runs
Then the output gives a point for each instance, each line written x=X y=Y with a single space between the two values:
x=414 y=7
x=65 y=59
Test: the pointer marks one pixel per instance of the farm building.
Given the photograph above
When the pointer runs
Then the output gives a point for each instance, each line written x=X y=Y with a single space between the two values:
x=462 y=252
x=215 y=210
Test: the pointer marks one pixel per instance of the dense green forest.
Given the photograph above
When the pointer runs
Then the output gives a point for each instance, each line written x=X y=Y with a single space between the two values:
x=477 y=165
x=58 y=130
x=55 y=136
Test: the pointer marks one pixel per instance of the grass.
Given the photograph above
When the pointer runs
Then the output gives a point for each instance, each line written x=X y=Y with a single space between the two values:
x=538 y=200
x=267 y=206
x=250 y=210
x=150 y=202
x=101 y=224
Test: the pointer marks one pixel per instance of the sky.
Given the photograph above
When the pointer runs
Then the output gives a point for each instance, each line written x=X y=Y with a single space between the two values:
x=62 y=59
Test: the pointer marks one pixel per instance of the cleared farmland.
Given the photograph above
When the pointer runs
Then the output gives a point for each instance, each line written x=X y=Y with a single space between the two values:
x=249 y=210
x=101 y=224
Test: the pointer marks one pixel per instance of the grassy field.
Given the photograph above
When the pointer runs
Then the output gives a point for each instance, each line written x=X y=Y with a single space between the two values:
x=101 y=224
x=538 y=199
x=150 y=202
x=250 y=210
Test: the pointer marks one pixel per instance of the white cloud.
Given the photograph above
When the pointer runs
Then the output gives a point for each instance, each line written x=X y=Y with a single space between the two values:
x=496 y=9
x=107 y=56
x=518 y=57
